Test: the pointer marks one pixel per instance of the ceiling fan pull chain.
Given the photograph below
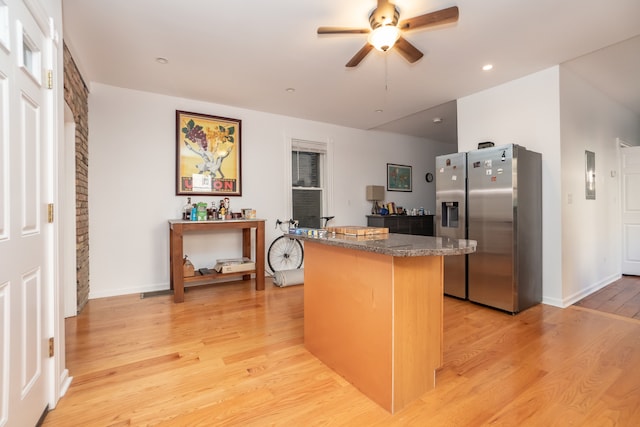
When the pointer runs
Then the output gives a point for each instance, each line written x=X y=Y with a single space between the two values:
x=386 y=72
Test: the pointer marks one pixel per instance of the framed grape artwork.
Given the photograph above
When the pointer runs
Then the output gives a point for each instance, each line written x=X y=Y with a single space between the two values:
x=208 y=155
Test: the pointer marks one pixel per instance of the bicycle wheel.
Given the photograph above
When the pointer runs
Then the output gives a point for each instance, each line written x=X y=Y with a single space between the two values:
x=285 y=254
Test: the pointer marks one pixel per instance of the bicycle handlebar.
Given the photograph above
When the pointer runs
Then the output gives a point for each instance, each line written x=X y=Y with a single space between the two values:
x=291 y=221
x=295 y=223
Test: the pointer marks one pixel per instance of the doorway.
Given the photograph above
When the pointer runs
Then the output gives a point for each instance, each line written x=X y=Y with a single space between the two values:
x=68 y=197
x=630 y=208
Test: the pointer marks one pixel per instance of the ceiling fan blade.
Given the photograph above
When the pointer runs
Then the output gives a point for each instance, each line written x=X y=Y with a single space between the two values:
x=409 y=51
x=360 y=55
x=444 y=16
x=342 y=30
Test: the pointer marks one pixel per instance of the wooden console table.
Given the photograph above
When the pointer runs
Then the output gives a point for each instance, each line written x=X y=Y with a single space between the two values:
x=178 y=227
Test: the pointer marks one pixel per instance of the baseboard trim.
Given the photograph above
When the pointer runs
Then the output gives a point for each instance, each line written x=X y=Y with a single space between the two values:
x=572 y=299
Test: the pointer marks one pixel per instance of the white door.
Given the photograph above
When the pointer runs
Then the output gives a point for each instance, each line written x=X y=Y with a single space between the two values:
x=630 y=165
x=25 y=235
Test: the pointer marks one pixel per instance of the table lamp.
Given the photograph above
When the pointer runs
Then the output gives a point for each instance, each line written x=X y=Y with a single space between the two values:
x=375 y=193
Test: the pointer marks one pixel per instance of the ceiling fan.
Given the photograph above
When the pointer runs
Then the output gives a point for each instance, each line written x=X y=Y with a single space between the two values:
x=386 y=30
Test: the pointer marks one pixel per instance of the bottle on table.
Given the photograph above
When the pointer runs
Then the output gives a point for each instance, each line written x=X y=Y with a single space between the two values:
x=211 y=212
x=186 y=210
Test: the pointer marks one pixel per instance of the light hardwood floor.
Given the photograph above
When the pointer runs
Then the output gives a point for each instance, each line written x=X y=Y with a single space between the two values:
x=621 y=297
x=230 y=355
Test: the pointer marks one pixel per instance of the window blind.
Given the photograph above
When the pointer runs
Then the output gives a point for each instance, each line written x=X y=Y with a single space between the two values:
x=308 y=146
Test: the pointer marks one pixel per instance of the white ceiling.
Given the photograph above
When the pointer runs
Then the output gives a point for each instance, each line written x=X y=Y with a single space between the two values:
x=247 y=53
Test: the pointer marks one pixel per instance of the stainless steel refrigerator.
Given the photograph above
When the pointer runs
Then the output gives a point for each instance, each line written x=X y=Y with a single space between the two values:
x=504 y=196
x=451 y=217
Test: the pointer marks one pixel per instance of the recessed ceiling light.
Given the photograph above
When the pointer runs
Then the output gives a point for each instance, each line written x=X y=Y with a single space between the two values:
x=161 y=60
x=290 y=89
x=379 y=110
x=437 y=120
x=487 y=67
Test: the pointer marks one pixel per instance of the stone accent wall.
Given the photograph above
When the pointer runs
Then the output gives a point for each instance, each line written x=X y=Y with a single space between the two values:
x=76 y=95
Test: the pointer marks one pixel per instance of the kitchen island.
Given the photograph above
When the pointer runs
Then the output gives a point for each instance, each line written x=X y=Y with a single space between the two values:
x=373 y=310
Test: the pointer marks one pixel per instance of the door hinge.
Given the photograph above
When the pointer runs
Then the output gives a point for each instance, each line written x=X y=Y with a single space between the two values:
x=50 y=213
x=49 y=79
x=51 y=342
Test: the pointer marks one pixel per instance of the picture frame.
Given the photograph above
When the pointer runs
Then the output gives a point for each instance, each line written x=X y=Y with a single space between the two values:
x=208 y=155
x=399 y=177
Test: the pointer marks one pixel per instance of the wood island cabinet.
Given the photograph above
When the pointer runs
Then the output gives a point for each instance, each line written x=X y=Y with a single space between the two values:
x=373 y=310
x=403 y=224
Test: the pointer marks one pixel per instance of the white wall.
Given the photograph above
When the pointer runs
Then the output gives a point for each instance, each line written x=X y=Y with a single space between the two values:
x=132 y=172
x=525 y=111
x=591 y=232
x=556 y=113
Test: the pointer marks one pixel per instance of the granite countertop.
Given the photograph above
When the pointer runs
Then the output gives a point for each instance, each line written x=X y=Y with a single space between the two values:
x=400 y=245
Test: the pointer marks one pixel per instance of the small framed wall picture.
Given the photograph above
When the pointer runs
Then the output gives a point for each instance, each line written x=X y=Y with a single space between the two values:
x=590 y=175
x=398 y=177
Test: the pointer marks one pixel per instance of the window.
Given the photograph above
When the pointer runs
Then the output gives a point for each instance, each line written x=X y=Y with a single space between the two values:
x=29 y=56
x=308 y=183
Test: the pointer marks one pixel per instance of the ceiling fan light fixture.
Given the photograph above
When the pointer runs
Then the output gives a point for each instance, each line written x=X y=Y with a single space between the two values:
x=387 y=30
x=384 y=37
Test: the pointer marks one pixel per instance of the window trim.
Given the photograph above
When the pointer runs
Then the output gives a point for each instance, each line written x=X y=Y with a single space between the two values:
x=312 y=146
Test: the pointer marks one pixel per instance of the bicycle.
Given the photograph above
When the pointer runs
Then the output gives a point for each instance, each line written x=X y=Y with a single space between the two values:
x=286 y=253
